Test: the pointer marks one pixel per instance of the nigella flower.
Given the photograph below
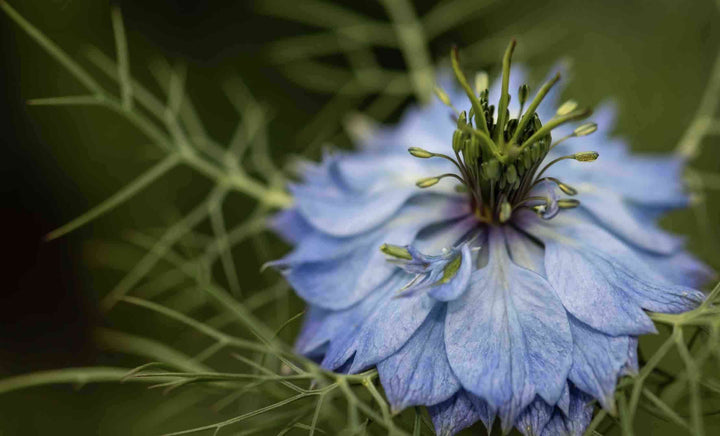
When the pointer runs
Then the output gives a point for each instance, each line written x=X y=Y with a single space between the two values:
x=496 y=275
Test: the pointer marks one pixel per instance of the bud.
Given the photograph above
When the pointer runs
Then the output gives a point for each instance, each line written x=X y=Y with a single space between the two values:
x=396 y=251
x=427 y=182
x=567 y=107
x=511 y=174
x=586 y=156
x=568 y=203
x=491 y=169
x=457 y=141
x=585 y=129
x=505 y=211
x=419 y=152
x=442 y=96
x=523 y=94
x=481 y=82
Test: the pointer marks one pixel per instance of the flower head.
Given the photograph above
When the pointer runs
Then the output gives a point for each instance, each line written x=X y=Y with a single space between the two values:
x=516 y=293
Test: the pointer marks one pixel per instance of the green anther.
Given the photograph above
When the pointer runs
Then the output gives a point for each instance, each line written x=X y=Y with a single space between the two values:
x=396 y=251
x=442 y=96
x=585 y=129
x=586 y=156
x=568 y=190
x=523 y=94
x=505 y=211
x=419 y=152
x=457 y=141
x=567 y=107
x=568 y=203
x=427 y=182
x=450 y=270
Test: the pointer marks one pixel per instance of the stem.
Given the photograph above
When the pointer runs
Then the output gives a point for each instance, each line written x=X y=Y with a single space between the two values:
x=534 y=105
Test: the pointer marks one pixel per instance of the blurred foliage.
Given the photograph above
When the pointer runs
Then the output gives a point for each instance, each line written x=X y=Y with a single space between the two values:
x=184 y=124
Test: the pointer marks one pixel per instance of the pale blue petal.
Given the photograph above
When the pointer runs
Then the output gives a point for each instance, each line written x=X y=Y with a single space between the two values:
x=419 y=372
x=597 y=361
x=615 y=215
x=290 y=225
x=680 y=268
x=631 y=366
x=524 y=251
x=622 y=270
x=458 y=284
x=584 y=283
x=459 y=412
x=339 y=282
x=508 y=337
x=576 y=421
x=383 y=331
x=534 y=418
x=345 y=215
x=308 y=342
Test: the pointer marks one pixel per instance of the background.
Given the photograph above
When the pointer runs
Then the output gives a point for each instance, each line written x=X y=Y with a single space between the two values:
x=300 y=61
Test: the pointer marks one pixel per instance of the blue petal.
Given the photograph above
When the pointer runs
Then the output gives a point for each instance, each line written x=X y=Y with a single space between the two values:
x=344 y=215
x=458 y=284
x=459 y=412
x=681 y=268
x=419 y=373
x=623 y=270
x=307 y=342
x=576 y=421
x=384 y=328
x=612 y=211
x=356 y=266
x=597 y=361
x=290 y=225
x=524 y=251
x=508 y=337
x=534 y=418
x=585 y=281
x=631 y=366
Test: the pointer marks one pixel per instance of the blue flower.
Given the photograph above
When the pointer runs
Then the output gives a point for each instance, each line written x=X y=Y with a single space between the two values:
x=517 y=293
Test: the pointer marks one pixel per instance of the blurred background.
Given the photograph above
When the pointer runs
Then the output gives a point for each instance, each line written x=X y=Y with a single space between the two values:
x=312 y=67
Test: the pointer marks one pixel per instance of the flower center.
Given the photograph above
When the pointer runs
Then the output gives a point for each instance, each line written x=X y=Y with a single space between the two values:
x=499 y=158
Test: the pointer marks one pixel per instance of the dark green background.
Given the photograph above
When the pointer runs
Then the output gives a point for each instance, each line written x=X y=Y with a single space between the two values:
x=653 y=58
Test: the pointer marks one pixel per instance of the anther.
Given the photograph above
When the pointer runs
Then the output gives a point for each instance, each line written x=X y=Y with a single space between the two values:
x=419 y=152
x=568 y=203
x=585 y=129
x=586 y=156
x=396 y=251
x=567 y=107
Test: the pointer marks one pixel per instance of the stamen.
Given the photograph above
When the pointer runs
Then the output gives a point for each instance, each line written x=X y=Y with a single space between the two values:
x=431 y=181
x=583 y=156
x=444 y=98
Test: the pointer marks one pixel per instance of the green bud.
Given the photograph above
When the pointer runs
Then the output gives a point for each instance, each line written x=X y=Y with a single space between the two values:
x=585 y=129
x=457 y=141
x=491 y=169
x=511 y=174
x=481 y=82
x=567 y=107
x=419 y=152
x=568 y=203
x=396 y=251
x=523 y=93
x=505 y=211
x=442 y=96
x=427 y=182
x=586 y=156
